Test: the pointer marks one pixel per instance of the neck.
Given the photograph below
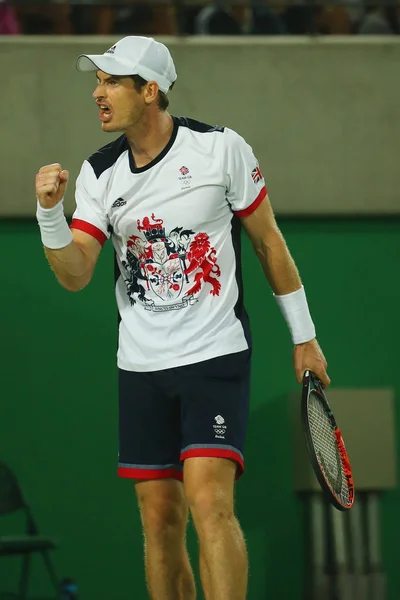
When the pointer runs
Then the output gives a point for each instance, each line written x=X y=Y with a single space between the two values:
x=149 y=137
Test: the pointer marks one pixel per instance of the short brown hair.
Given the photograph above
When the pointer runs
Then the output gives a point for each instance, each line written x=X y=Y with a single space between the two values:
x=163 y=100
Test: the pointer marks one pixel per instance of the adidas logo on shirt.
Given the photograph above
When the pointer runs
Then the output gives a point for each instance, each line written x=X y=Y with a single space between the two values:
x=118 y=203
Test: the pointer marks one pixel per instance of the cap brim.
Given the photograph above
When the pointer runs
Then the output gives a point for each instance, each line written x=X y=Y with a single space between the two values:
x=117 y=66
x=99 y=62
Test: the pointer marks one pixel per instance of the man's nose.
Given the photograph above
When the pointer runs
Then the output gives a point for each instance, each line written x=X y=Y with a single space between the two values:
x=98 y=92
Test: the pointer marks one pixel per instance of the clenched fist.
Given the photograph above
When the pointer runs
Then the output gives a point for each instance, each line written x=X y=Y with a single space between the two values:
x=51 y=183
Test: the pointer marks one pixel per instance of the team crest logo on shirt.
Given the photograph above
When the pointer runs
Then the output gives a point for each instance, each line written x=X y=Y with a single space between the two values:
x=167 y=271
x=185 y=178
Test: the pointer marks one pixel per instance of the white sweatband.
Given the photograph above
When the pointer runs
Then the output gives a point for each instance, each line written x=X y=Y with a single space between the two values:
x=53 y=225
x=295 y=309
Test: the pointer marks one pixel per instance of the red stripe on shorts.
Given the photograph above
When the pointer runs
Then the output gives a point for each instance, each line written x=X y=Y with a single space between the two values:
x=90 y=229
x=215 y=453
x=150 y=473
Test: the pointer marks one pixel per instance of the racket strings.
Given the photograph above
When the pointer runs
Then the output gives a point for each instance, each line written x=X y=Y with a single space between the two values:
x=326 y=449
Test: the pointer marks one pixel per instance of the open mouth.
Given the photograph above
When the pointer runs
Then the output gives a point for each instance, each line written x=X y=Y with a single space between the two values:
x=105 y=113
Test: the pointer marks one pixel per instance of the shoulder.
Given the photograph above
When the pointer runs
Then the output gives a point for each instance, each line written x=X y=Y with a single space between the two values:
x=107 y=156
x=234 y=139
x=235 y=146
x=198 y=126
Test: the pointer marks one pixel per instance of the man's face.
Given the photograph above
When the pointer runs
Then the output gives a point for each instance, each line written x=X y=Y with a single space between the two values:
x=121 y=106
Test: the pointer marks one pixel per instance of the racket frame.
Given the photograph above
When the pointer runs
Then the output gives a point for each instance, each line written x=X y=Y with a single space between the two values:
x=310 y=377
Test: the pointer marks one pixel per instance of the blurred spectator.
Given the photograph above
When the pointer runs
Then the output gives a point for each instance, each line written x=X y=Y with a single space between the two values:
x=392 y=12
x=375 y=22
x=87 y=17
x=300 y=18
x=9 y=24
x=51 y=17
x=91 y=18
x=333 y=20
x=153 y=17
x=265 y=20
x=356 y=10
x=217 y=19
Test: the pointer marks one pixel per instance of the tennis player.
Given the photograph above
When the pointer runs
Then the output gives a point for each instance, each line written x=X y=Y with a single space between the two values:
x=172 y=194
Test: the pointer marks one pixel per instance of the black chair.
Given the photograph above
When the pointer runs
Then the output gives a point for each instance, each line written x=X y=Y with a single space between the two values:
x=11 y=500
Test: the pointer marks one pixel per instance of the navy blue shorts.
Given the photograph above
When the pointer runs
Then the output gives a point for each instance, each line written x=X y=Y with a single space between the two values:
x=170 y=415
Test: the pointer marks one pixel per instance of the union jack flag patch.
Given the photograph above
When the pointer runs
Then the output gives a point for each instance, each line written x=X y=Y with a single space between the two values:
x=256 y=174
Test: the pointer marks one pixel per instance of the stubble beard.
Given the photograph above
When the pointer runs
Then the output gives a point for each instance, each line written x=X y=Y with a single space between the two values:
x=132 y=122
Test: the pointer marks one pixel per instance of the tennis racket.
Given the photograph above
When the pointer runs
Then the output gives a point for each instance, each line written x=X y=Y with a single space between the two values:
x=325 y=445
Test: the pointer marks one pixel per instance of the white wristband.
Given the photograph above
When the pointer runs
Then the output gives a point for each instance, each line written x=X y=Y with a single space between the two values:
x=53 y=225
x=295 y=310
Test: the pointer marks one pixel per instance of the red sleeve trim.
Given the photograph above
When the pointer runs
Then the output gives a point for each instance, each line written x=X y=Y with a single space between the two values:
x=90 y=229
x=247 y=211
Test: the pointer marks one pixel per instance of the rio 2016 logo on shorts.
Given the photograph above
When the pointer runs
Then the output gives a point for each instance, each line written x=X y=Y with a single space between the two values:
x=220 y=427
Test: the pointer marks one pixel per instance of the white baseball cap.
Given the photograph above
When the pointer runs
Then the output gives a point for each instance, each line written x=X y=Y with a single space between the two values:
x=134 y=55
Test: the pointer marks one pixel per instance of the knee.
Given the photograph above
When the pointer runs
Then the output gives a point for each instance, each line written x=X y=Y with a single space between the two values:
x=162 y=516
x=210 y=507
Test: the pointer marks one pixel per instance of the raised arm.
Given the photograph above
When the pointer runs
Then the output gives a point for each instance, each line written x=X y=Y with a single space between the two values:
x=72 y=254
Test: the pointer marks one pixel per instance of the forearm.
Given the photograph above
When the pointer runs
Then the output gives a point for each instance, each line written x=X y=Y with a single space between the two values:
x=71 y=266
x=283 y=277
x=278 y=264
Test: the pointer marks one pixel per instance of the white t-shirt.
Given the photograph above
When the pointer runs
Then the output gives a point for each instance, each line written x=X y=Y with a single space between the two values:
x=175 y=226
